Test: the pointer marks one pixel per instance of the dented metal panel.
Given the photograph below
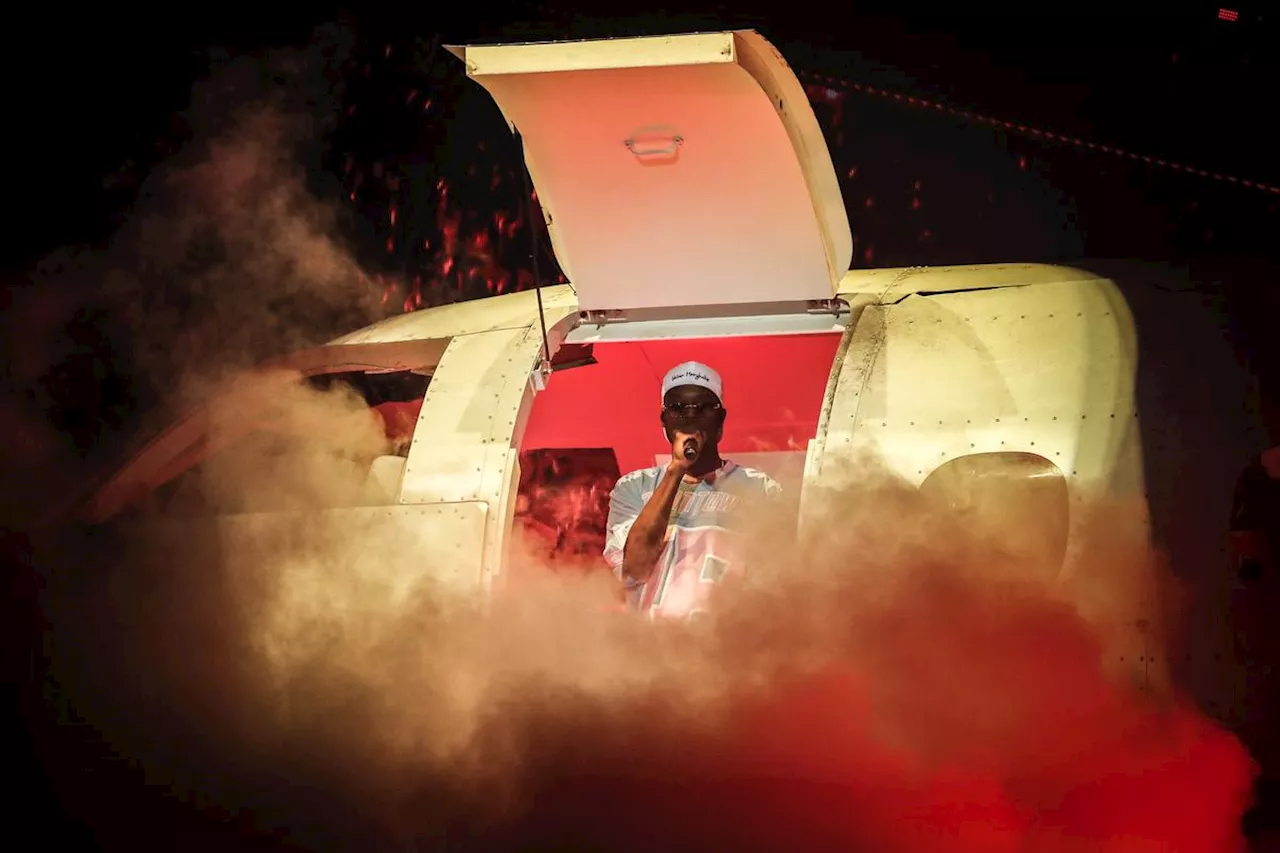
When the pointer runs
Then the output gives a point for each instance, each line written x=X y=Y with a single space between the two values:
x=1047 y=369
x=470 y=413
x=460 y=445
x=470 y=422
x=1012 y=360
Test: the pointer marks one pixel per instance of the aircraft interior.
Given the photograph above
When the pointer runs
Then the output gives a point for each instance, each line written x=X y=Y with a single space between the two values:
x=598 y=419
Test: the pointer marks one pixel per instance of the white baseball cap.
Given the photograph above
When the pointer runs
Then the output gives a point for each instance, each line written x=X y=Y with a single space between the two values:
x=693 y=373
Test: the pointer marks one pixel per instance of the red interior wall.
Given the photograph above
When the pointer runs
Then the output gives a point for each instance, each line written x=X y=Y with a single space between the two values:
x=773 y=389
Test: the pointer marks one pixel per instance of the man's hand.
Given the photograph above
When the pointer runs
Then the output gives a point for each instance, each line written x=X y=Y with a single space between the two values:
x=678 y=444
x=645 y=540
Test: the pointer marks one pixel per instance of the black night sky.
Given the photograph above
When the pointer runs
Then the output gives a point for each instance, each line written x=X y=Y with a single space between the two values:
x=425 y=184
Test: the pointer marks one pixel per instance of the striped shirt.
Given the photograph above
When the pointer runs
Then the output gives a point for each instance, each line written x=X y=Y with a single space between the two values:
x=700 y=546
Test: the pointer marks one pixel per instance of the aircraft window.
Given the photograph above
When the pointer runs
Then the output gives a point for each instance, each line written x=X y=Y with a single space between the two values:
x=395 y=397
x=268 y=470
x=1018 y=499
x=377 y=388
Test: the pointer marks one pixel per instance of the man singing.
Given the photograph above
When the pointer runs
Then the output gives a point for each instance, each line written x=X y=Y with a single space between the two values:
x=669 y=530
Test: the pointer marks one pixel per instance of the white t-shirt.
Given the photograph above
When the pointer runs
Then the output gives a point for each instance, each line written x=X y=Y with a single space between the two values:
x=700 y=546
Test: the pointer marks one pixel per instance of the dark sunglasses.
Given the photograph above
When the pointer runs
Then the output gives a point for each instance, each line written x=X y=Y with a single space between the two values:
x=688 y=411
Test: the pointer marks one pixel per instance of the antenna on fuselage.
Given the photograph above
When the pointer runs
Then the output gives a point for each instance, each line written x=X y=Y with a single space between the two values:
x=544 y=367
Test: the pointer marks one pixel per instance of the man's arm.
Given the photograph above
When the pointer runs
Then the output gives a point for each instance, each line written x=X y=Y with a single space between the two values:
x=626 y=499
x=645 y=539
x=637 y=528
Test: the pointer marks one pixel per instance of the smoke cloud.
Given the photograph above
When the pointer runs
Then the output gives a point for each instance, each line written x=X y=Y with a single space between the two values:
x=231 y=253
x=889 y=680
x=234 y=257
x=896 y=683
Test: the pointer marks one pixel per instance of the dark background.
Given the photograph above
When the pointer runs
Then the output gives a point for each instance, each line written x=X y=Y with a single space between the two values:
x=98 y=100
x=94 y=99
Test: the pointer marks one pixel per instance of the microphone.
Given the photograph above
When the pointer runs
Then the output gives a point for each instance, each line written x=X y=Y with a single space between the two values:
x=691 y=449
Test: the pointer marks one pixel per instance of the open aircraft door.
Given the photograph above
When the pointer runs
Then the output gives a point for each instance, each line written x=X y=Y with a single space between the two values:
x=691 y=202
x=690 y=199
